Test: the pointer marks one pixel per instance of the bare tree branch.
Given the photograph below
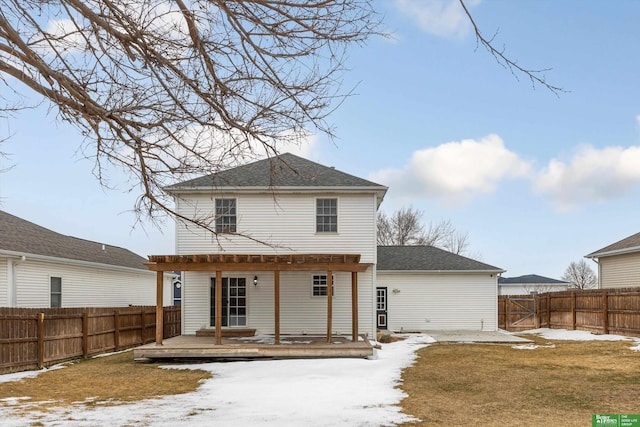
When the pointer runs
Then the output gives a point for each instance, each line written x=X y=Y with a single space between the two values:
x=535 y=76
x=168 y=90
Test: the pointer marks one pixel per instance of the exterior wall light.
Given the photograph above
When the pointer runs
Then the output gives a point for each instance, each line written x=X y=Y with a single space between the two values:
x=255 y=280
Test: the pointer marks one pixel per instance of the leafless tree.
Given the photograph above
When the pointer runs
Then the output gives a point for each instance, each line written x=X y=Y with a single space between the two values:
x=168 y=90
x=580 y=275
x=405 y=228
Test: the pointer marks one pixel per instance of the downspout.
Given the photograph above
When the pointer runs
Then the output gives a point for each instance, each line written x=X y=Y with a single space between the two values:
x=12 y=290
x=597 y=261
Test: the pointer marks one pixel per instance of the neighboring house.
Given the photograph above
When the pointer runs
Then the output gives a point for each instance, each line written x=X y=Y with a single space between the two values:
x=287 y=228
x=425 y=288
x=528 y=284
x=41 y=268
x=619 y=263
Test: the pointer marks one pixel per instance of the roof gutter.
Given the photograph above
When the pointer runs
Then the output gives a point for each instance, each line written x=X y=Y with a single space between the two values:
x=613 y=252
x=498 y=271
x=71 y=261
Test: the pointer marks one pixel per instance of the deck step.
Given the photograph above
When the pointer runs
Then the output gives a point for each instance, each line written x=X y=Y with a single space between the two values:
x=226 y=332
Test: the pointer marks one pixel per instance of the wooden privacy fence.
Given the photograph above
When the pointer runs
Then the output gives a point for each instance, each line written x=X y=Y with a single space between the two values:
x=605 y=311
x=32 y=338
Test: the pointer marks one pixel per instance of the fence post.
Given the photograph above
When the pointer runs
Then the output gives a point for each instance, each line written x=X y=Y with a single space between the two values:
x=143 y=326
x=536 y=308
x=507 y=312
x=549 y=310
x=573 y=310
x=40 y=340
x=116 y=324
x=85 y=333
x=605 y=312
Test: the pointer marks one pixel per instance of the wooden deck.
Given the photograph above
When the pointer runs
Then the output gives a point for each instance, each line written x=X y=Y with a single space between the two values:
x=193 y=347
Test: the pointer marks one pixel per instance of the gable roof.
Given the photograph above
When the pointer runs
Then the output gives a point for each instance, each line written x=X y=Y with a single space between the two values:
x=427 y=258
x=627 y=245
x=21 y=237
x=529 y=279
x=283 y=171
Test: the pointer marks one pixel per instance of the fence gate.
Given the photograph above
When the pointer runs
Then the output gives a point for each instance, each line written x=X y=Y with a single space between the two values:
x=520 y=313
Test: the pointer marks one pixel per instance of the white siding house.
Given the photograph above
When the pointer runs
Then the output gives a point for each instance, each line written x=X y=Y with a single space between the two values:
x=619 y=263
x=525 y=285
x=284 y=206
x=41 y=268
x=422 y=288
x=276 y=218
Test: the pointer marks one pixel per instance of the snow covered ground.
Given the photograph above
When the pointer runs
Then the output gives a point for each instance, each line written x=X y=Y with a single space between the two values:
x=318 y=392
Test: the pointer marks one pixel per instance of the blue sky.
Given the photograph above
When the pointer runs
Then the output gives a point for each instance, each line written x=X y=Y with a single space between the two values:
x=536 y=180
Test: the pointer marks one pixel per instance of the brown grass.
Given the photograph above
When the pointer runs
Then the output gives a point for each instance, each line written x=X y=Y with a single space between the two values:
x=497 y=385
x=112 y=379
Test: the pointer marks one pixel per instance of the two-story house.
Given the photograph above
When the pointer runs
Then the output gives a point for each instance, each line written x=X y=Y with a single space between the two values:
x=289 y=232
x=291 y=248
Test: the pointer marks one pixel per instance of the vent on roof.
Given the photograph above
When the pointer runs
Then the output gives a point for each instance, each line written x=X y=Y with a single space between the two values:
x=104 y=248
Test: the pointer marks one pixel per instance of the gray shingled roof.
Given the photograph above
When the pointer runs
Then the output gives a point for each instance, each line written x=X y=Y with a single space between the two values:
x=426 y=258
x=529 y=279
x=24 y=237
x=286 y=170
x=626 y=245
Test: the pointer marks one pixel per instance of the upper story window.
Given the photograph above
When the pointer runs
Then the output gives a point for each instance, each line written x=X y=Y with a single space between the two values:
x=56 y=292
x=326 y=215
x=225 y=215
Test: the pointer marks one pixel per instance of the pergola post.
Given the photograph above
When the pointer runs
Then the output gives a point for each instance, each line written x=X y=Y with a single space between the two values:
x=218 y=307
x=159 y=311
x=354 y=306
x=276 y=303
x=329 y=304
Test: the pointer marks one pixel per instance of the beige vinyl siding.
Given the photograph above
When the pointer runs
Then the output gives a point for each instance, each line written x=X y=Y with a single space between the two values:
x=86 y=286
x=300 y=312
x=285 y=223
x=4 y=281
x=620 y=271
x=428 y=301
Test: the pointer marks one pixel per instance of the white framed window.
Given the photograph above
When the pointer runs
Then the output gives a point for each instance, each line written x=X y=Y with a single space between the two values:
x=319 y=285
x=326 y=215
x=225 y=215
x=56 y=291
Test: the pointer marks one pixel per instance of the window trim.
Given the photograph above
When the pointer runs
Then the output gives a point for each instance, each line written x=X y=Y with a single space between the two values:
x=221 y=226
x=317 y=216
x=52 y=293
x=322 y=287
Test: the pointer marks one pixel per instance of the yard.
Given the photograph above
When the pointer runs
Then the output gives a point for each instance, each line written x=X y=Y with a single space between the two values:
x=554 y=382
x=459 y=384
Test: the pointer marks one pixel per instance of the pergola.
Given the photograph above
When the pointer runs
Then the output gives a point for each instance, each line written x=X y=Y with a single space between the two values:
x=276 y=263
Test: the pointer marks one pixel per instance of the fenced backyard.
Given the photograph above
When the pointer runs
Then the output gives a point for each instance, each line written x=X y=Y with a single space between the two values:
x=604 y=311
x=32 y=338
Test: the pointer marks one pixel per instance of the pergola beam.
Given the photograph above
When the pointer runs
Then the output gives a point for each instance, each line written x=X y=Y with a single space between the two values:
x=248 y=262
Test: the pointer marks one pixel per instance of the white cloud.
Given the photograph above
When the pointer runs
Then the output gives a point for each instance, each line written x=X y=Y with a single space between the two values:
x=592 y=175
x=442 y=18
x=456 y=172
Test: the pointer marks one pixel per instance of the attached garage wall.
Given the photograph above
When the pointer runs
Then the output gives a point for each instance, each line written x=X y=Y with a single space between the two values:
x=431 y=301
